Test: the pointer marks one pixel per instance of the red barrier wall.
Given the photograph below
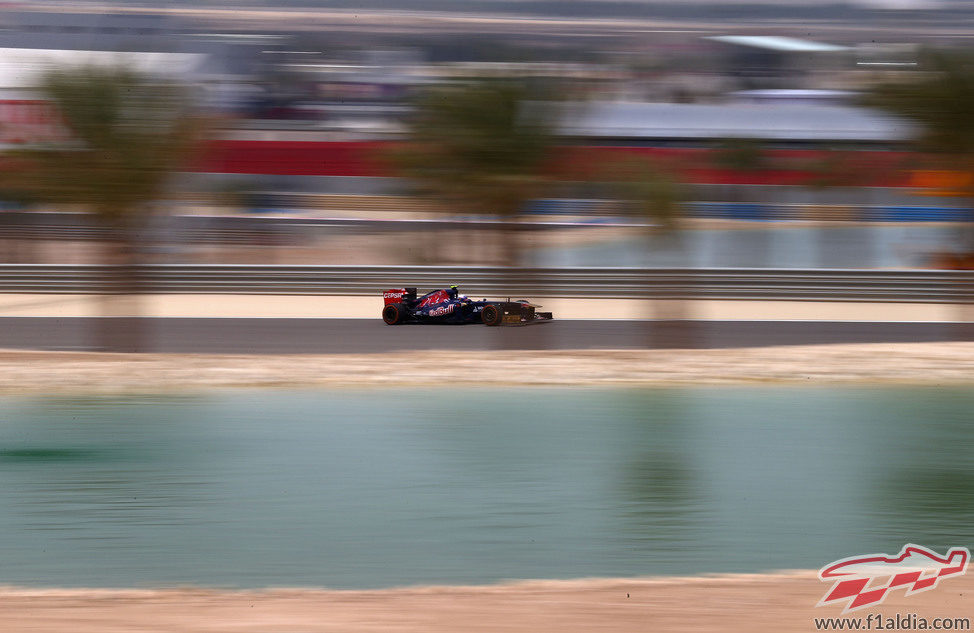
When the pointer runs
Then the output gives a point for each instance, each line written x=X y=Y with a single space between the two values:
x=365 y=158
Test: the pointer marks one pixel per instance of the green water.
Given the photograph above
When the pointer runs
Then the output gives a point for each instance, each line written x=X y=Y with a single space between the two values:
x=375 y=488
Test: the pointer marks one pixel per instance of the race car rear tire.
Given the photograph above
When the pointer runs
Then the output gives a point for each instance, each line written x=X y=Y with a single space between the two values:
x=393 y=314
x=491 y=315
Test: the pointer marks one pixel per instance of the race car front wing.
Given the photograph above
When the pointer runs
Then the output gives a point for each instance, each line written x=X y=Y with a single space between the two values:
x=513 y=313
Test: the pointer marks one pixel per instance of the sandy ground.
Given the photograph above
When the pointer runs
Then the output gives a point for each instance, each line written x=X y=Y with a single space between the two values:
x=925 y=363
x=778 y=603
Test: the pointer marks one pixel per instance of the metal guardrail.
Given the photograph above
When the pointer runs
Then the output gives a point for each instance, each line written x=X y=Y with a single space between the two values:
x=920 y=286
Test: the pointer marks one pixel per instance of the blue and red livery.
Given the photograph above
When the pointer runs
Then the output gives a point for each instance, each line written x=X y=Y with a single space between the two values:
x=448 y=306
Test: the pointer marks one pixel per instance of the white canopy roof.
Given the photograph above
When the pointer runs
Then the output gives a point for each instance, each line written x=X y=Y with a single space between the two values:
x=22 y=67
x=779 y=121
x=778 y=43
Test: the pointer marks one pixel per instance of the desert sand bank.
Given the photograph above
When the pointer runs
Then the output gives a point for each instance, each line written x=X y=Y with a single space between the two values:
x=922 y=363
x=778 y=603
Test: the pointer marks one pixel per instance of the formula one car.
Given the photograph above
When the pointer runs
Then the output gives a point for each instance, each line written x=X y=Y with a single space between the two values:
x=449 y=306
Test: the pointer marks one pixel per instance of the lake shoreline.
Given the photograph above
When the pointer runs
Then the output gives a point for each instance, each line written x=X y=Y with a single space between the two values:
x=780 y=601
x=55 y=372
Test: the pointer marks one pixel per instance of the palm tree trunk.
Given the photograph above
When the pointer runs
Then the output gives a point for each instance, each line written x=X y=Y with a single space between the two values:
x=965 y=309
x=120 y=326
x=671 y=322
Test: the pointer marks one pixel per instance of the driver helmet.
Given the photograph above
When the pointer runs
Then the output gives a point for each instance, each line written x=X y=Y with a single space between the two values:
x=453 y=292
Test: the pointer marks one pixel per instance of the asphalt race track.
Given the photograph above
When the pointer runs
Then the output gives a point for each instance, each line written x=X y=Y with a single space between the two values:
x=273 y=335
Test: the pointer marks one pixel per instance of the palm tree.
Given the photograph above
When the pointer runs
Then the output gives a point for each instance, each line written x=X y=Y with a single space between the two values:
x=653 y=195
x=484 y=146
x=649 y=193
x=942 y=103
x=124 y=135
x=480 y=146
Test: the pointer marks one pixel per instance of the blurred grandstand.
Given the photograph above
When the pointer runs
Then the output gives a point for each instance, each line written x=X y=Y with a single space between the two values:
x=305 y=128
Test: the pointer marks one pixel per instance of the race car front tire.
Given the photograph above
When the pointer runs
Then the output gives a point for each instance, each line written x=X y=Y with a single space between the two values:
x=393 y=314
x=491 y=315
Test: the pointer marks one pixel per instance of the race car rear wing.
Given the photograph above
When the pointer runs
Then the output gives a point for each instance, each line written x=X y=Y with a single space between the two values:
x=399 y=295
